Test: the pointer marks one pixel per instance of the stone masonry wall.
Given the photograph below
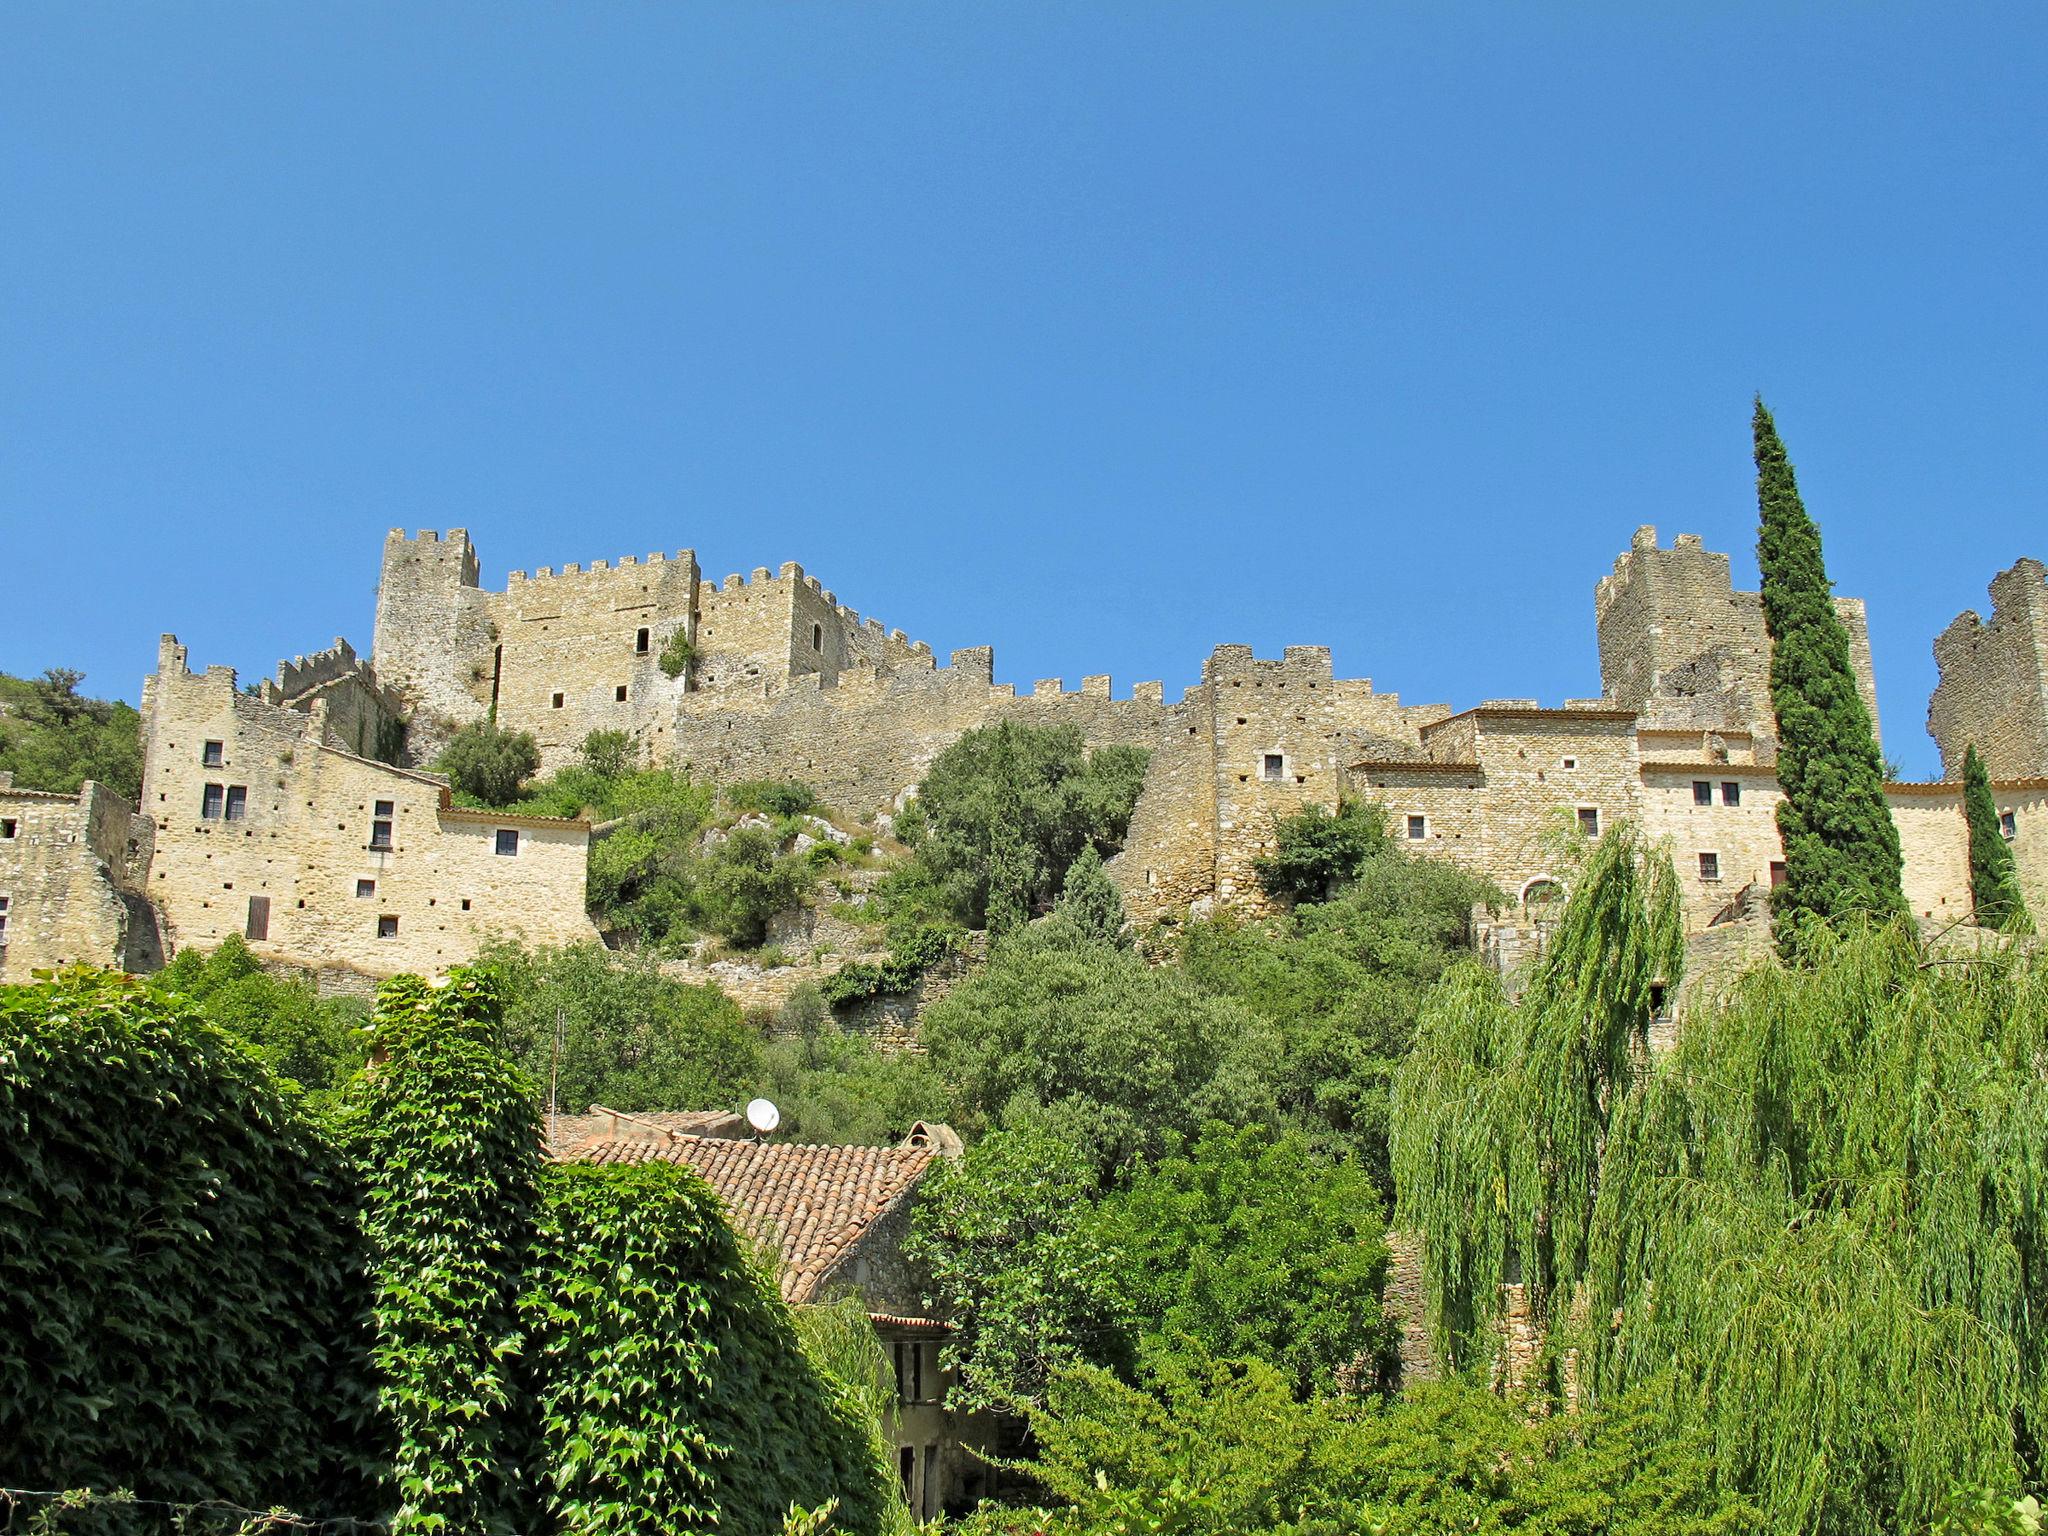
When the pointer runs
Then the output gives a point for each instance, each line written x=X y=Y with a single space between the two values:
x=295 y=864
x=1680 y=645
x=580 y=651
x=70 y=869
x=1994 y=680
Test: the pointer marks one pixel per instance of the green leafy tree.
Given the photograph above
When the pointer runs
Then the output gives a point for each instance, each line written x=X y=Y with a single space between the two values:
x=608 y=754
x=1317 y=852
x=1841 y=845
x=1248 y=1244
x=1089 y=901
x=1005 y=809
x=1341 y=984
x=744 y=881
x=1004 y=1235
x=488 y=763
x=305 y=1039
x=1994 y=879
x=630 y=1038
x=1128 y=1052
x=834 y=1087
x=53 y=739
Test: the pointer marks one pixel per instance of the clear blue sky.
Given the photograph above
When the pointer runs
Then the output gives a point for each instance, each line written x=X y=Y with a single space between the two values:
x=1102 y=333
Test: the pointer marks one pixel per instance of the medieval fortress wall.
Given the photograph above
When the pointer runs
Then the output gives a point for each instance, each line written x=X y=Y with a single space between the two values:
x=299 y=814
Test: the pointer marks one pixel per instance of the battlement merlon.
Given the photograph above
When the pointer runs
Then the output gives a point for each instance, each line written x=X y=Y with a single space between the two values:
x=300 y=673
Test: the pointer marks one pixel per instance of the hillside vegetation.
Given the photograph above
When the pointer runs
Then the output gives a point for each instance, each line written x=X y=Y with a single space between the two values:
x=53 y=738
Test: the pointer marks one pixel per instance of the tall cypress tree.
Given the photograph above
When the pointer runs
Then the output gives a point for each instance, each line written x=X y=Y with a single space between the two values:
x=1994 y=878
x=1841 y=846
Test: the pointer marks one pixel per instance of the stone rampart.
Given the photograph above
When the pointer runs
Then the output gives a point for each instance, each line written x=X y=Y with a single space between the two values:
x=71 y=872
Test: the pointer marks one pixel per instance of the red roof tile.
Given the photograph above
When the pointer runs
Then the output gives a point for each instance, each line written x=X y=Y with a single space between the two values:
x=568 y=1133
x=810 y=1204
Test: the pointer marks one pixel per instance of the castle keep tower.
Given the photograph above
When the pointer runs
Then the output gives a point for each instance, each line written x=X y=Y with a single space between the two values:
x=1687 y=651
x=434 y=642
x=1994 y=680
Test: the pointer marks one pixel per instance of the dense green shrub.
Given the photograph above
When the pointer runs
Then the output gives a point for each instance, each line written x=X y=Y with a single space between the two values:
x=487 y=763
x=1005 y=809
x=305 y=1039
x=835 y=1087
x=1205 y=1447
x=676 y=653
x=676 y=1395
x=1317 y=851
x=609 y=1028
x=447 y=1136
x=180 y=1284
x=771 y=797
x=51 y=739
x=745 y=880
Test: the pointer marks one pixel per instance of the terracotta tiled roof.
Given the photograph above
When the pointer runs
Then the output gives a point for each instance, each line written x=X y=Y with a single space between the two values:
x=569 y=1133
x=811 y=1204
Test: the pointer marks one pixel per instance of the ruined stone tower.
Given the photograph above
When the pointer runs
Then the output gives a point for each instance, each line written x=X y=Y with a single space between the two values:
x=1994 y=680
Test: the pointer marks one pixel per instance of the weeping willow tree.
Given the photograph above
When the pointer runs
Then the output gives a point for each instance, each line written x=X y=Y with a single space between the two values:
x=1820 y=1222
x=1502 y=1108
x=1827 y=1214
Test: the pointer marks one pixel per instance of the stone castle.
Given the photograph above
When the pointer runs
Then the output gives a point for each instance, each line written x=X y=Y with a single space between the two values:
x=297 y=813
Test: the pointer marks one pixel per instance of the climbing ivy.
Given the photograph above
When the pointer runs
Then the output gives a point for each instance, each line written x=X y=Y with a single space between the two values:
x=179 y=1277
x=447 y=1136
x=673 y=1390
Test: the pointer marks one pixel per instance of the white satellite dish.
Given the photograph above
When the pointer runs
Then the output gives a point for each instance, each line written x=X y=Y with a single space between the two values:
x=763 y=1116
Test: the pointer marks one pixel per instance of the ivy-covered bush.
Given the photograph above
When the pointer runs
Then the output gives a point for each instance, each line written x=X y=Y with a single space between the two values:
x=675 y=1395
x=447 y=1135
x=179 y=1278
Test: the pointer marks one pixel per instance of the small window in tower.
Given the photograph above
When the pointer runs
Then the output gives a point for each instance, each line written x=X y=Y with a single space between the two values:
x=380 y=829
x=238 y=802
x=8 y=826
x=387 y=927
x=619 y=693
x=1731 y=792
x=210 y=800
x=387 y=807
x=1702 y=792
x=508 y=841
x=1568 y=763
x=1418 y=828
x=818 y=638
x=1273 y=768
x=3 y=922
x=210 y=755
x=555 y=701
x=258 y=925
x=1777 y=873
x=365 y=889
x=1589 y=820
x=642 y=638
x=2008 y=825
x=465 y=903
x=1710 y=866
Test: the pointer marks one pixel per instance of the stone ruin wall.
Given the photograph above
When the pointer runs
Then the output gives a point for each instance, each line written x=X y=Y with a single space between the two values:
x=1994 y=680
x=72 y=869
